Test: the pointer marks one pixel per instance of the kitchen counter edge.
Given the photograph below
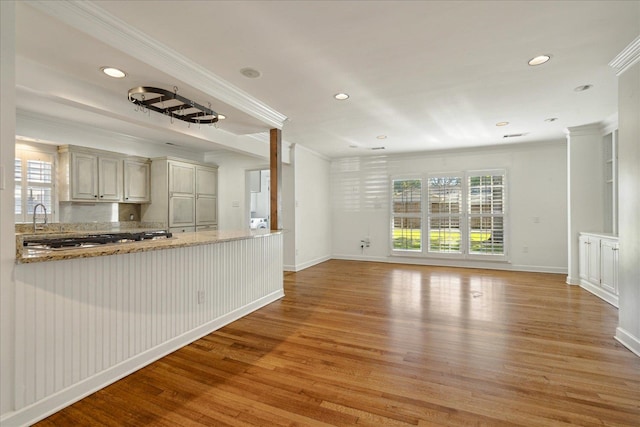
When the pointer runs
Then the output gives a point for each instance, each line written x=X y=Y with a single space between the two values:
x=179 y=240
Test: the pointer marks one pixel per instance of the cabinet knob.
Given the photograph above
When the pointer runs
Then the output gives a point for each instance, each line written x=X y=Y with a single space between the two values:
x=101 y=196
x=614 y=249
x=95 y=195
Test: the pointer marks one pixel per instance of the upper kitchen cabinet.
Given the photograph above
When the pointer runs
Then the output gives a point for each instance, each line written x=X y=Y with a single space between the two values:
x=86 y=174
x=137 y=180
x=184 y=195
x=206 y=197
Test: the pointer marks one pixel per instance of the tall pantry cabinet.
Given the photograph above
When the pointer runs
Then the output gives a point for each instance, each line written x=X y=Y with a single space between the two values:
x=184 y=195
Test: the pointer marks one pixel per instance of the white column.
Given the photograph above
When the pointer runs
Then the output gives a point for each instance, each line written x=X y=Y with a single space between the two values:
x=627 y=66
x=7 y=228
x=585 y=192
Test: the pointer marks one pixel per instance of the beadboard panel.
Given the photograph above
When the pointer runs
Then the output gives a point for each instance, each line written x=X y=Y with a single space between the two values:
x=76 y=319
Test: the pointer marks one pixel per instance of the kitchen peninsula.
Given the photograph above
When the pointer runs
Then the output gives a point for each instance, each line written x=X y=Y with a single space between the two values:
x=90 y=316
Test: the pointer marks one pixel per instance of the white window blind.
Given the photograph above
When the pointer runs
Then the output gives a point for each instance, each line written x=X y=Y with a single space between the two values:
x=445 y=214
x=34 y=183
x=486 y=209
x=464 y=214
x=406 y=217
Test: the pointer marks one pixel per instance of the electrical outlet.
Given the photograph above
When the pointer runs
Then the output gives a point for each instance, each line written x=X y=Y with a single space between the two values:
x=200 y=297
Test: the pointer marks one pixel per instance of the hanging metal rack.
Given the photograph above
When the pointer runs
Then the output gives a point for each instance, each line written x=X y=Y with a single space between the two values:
x=171 y=104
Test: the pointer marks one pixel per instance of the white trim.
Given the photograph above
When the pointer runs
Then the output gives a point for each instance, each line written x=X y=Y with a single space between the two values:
x=610 y=124
x=91 y=19
x=585 y=130
x=453 y=263
x=573 y=281
x=626 y=59
x=302 y=266
x=625 y=338
x=599 y=292
x=53 y=403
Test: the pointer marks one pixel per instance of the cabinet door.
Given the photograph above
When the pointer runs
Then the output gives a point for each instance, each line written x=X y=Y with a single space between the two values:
x=206 y=210
x=583 y=260
x=594 y=260
x=181 y=179
x=206 y=181
x=84 y=176
x=182 y=211
x=136 y=181
x=609 y=266
x=110 y=178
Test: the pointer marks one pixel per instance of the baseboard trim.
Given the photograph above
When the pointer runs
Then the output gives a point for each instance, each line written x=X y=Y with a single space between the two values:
x=629 y=341
x=600 y=293
x=453 y=263
x=573 y=280
x=55 y=402
x=302 y=266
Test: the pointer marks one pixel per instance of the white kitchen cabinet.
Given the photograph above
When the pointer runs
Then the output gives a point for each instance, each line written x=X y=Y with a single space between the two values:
x=137 y=180
x=184 y=195
x=86 y=174
x=609 y=265
x=598 y=265
x=206 y=196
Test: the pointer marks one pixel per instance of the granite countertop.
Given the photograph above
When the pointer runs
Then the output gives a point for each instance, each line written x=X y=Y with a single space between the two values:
x=179 y=240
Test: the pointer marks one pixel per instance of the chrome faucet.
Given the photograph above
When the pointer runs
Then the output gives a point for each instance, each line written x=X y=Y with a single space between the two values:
x=35 y=208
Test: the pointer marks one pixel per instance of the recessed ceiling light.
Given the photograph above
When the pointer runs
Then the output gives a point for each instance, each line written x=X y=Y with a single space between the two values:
x=341 y=96
x=250 y=73
x=539 y=60
x=583 y=88
x=221 y=117
x=381 y=136
x=113 y=72
x=551 y=119
x=502 y=123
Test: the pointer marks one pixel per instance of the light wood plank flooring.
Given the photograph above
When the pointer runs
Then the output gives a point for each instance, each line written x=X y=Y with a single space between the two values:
x=370 y=344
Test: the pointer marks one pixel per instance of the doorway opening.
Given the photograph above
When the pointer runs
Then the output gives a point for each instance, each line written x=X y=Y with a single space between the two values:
x=258 y=182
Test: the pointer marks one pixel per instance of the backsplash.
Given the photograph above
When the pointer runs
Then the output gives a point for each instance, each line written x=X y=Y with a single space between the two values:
x=59 y=227
x=73 y=212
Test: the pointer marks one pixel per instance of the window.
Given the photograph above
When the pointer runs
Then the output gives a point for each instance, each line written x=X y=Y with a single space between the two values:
x=34 y=183
x=486 y=205
x=445 y=214
x=406 y=221
x=464 y=214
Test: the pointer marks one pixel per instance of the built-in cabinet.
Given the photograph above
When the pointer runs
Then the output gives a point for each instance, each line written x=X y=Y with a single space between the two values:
x=137 y=180
x=184 y=195
x=598 y=265
x=86 y=174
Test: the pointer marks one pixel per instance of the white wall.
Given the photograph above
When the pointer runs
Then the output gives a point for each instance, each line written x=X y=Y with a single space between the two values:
x=312 y=207
x=628 y=331
x=233 y=197
x=7 y=230
x=537 y=194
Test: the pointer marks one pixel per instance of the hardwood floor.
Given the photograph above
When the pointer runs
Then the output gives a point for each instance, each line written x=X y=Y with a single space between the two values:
x=370 y=344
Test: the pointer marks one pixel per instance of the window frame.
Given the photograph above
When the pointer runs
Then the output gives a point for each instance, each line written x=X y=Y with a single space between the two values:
x=465 y=216
x=393 y=214
x=31 y=151
x=504 y=215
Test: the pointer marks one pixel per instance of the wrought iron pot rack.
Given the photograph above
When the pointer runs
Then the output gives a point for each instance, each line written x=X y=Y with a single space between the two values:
x=171 y=104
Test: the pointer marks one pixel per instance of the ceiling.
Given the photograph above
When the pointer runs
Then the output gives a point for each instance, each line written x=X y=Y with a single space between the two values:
x=425 y=75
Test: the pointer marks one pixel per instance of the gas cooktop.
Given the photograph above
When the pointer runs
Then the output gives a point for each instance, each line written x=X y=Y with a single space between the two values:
x=95 y=240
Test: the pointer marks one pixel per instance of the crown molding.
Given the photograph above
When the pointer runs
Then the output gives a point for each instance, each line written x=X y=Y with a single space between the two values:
x=89 y=18
x=585 y=130
x=626 y=59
